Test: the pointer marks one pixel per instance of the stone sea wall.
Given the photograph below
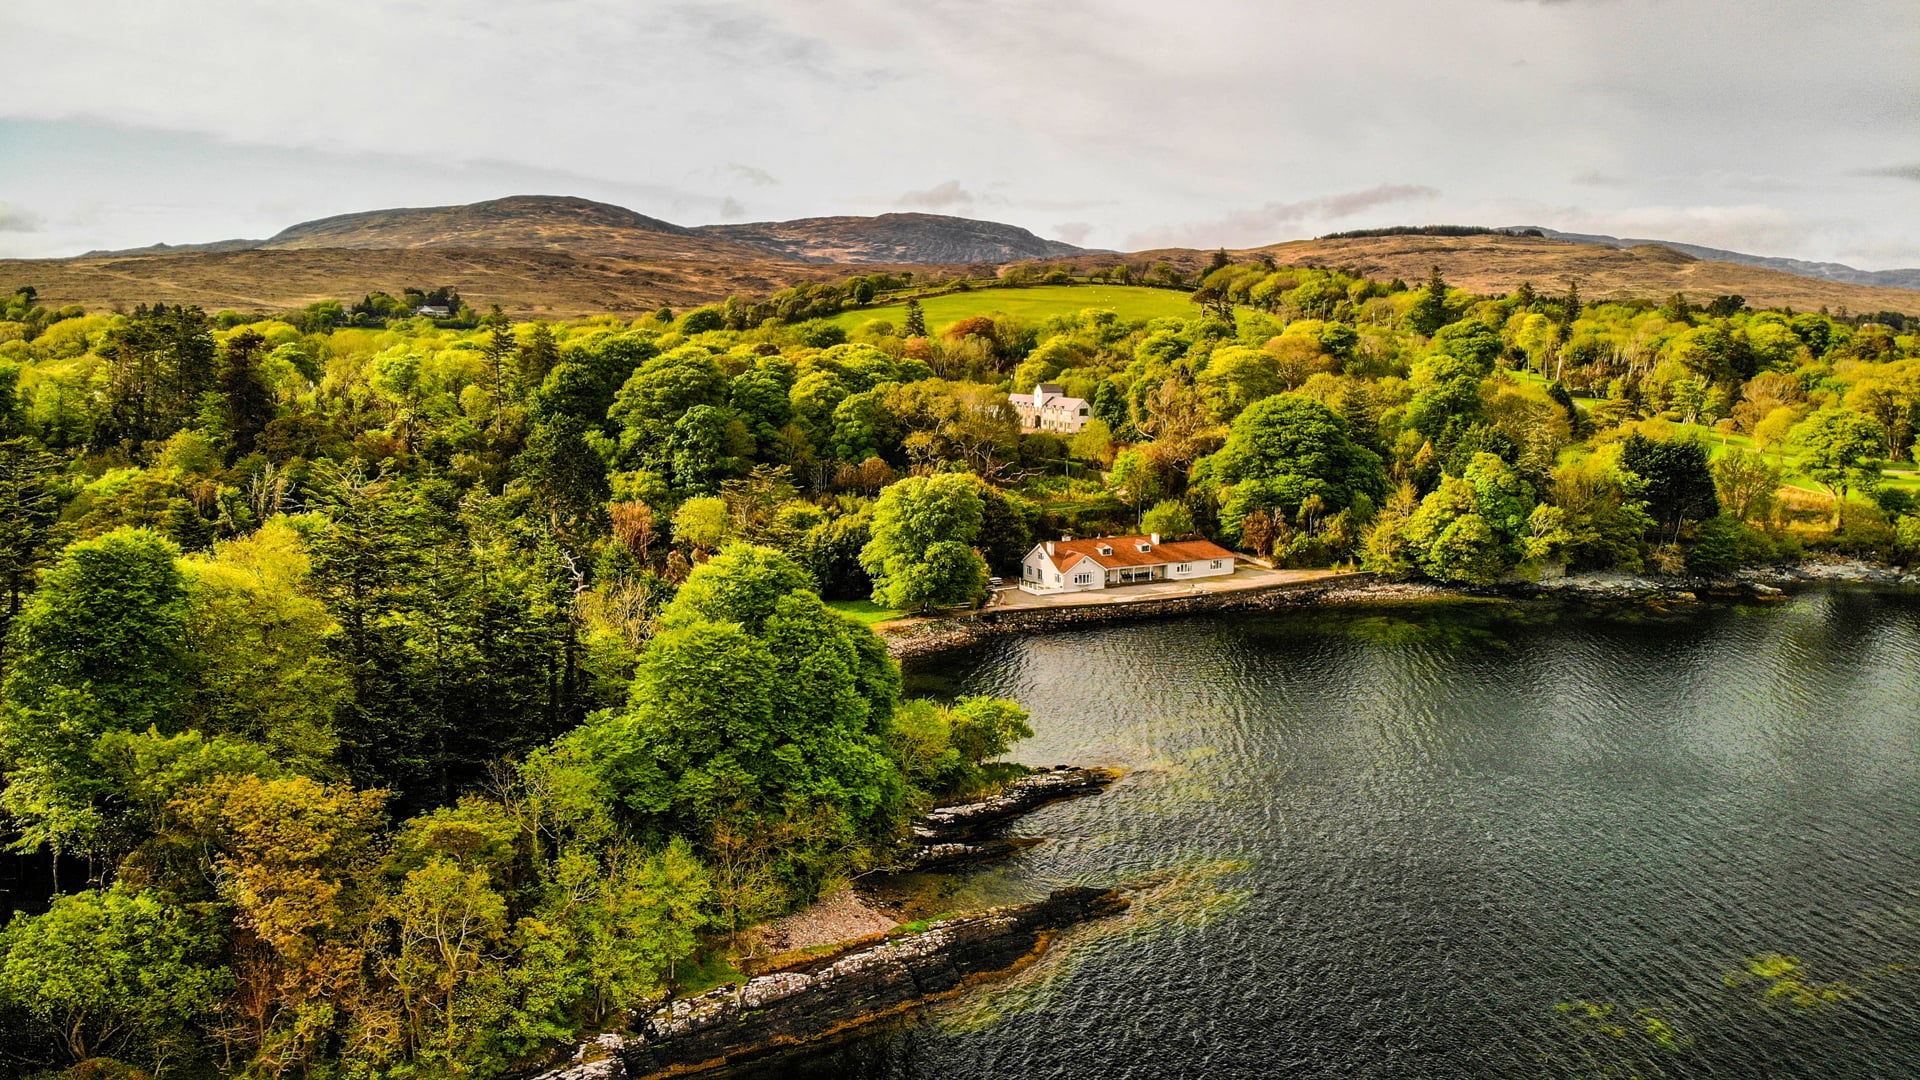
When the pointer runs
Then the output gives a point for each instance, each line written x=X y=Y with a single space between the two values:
x=973 y=628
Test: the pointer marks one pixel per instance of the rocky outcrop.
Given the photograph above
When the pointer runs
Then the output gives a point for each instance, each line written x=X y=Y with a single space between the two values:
x=793 y=1007
x=954 y=824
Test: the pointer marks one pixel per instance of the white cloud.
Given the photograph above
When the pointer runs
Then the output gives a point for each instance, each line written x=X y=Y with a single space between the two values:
x=939 y=198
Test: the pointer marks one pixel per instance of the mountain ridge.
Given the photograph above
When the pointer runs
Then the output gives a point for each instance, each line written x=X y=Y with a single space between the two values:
x=576 y=225
x=1902 y=278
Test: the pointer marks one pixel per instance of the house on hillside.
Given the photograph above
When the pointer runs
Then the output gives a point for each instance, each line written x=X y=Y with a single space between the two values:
x=1058 y=566
x=1049 y=409
x=434 y=311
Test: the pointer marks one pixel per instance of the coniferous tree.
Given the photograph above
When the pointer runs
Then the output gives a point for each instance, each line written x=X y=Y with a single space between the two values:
x=249 y=401
x=916 y=320
x=1430 y=312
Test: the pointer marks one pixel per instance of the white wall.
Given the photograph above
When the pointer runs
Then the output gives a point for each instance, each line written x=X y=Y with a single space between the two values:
x=1199 y=569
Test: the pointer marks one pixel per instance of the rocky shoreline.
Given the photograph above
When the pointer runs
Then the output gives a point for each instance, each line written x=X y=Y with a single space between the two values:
x=803 y=1005
x=930 y=637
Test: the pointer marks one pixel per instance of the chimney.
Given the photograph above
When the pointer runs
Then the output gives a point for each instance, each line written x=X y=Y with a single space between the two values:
x=1049 y=548
x=1154 y=539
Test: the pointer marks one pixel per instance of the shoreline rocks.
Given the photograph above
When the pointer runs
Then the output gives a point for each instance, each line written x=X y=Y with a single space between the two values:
x=1022 y=795
x=791 y=1008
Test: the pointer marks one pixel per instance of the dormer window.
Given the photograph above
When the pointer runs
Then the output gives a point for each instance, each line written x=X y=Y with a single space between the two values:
x=1104 y=549
x=1146 y=547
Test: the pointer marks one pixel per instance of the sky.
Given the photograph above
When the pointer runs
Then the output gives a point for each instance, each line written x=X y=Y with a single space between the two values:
x=1778 y=128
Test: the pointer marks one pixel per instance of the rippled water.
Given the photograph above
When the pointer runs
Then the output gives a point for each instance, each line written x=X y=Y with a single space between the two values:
x=1391 y=842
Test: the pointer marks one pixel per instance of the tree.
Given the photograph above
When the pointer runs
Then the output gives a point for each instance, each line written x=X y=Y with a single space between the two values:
x=114 y=972
x=1135 y=479
x=29 y=506
x=1169 y=518
x=1679 y=485
x=100 y=648
x=984 y=728
x=916 y=319
x=1474 y=527
x=921 y=555
x=1841 y=450
x=249 y=400
x=1289 y=447
x=538 y=354
x=1569 y=310
x=1430 y=311
x=1746 y=484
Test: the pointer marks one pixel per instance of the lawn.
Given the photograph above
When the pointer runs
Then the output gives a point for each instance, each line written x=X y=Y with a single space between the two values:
x=1719 y=443
x=865 y=612
x=1033 y=303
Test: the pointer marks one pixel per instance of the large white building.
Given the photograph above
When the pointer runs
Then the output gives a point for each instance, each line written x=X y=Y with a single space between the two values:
x=1104 y=562
x=1049 y=409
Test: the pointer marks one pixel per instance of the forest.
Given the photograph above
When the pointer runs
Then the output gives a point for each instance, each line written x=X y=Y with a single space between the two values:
x=392 y=697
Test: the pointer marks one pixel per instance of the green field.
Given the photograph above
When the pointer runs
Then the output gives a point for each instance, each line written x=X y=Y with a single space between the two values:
x=1903 y=476
x=865 y=612
x=1033 y=303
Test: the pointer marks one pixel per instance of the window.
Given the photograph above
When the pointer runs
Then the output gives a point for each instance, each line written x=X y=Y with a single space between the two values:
x=1056 y=579
x=1183 y=568
x=1083 y=410
x=1083 y=579
x=1214 y=565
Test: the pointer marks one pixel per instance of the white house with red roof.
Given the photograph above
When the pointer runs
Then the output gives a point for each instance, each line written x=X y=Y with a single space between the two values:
x=1057 y=566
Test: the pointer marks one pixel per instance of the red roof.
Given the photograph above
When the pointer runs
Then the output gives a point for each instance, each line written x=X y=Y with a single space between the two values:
x=1126 y=551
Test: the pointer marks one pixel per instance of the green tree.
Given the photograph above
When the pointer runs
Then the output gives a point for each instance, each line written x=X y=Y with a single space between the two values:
x=114 y=972
x=249 y=402
x=921 y=555
x=916 y=320
x=29 y=505
x=1170 y=518
x=1430 y=311
x=100 y=648
x=1135 y=479
x=1840 y=451
x=1678 y=482
x=1285 y=449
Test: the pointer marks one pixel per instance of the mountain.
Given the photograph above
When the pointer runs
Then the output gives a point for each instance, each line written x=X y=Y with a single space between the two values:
x=1826 y=271
x=895 y=238
x=175 y=249
x=557 y=257
x=524 y=222
x=581 y=226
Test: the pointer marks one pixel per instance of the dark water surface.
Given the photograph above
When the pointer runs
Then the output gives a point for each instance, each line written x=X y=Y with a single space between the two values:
x=1390 y=842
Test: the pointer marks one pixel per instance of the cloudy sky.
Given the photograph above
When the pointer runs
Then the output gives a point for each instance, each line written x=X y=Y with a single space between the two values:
x=1782 y=128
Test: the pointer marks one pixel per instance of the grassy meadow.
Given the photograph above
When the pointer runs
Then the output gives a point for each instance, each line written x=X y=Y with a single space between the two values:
x=1033 y=303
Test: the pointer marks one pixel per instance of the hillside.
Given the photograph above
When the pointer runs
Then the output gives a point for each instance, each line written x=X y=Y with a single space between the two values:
x=895 y=238
x=558 y=257
x=1908 y=278
x=526 y=283
x=1498 y=264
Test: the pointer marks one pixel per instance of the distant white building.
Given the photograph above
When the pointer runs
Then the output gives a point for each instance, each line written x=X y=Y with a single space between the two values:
x=433 y=311
x=1107 y=561
x=1049 y=409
